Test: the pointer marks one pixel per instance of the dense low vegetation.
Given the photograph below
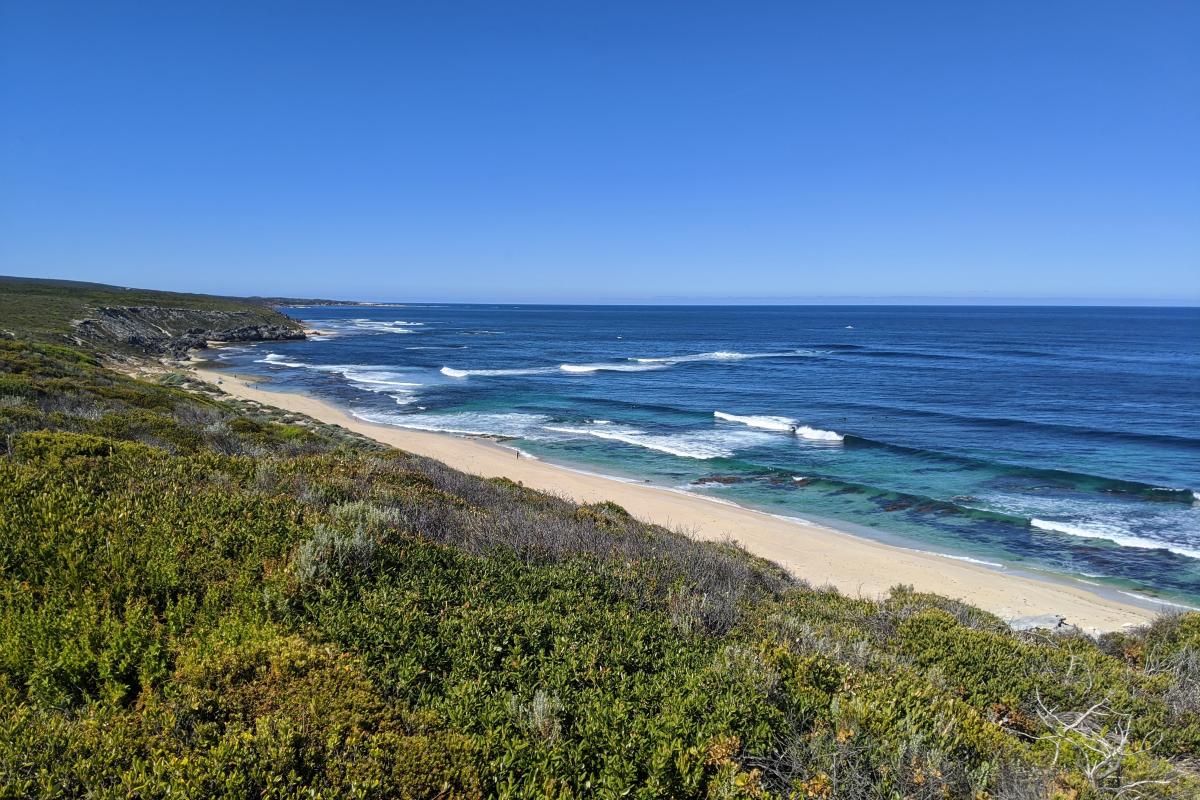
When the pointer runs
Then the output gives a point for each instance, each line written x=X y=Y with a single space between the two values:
x=46 y=310
x=207 y=598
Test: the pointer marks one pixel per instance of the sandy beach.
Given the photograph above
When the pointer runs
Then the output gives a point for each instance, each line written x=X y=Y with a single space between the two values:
x=815 y=553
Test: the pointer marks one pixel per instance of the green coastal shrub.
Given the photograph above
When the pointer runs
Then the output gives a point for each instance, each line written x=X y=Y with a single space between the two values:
x=330 y=554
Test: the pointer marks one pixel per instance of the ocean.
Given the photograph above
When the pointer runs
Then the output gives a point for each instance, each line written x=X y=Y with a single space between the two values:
x=1061 y=440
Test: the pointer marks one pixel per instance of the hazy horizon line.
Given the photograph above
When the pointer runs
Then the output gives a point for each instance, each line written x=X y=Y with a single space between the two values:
x=822 y=300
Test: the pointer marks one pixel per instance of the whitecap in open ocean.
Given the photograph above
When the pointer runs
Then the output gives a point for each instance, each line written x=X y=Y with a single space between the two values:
x=451 y=372
x=629 y=365
x=726 y=355
x=368 y=326
x=589 y=368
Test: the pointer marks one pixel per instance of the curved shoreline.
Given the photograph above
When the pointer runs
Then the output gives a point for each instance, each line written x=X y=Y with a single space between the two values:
x=821 y=555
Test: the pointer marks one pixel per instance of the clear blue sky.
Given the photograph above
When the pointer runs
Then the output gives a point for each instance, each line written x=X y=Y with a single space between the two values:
x=593 y=151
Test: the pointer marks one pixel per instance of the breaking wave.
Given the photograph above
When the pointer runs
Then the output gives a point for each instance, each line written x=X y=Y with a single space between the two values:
x=1116 y=537
x=514 y=425
x=279 y=361
x=1157 y=600
x=399 y=385
x=818 y=435
x=363 y=325
x=629 y=365
x=682 y=445
x=589 y=368
x=451 y=372
x=725 y=355
x=698 y=444
x=782 y=424
x=767 y=423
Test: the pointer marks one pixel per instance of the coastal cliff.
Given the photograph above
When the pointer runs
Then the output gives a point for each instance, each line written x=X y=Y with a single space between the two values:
x=122 y=322
x=173 y=331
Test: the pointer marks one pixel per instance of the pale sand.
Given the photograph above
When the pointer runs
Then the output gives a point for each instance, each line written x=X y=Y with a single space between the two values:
x=822 y=556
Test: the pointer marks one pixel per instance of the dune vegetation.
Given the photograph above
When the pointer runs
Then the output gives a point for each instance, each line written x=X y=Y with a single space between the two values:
x=202 y=597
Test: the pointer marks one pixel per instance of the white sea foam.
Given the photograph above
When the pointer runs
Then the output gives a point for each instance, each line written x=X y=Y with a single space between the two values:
x=381 y=324
x=630 y=365
x=818 y=435
x=384 y=379
x=1158 y=600
x=800 y=520
x=451 y=372
x=767 y=423
x=699 y=444
x=382 y=382
x=588 y=368
x=690 y=491
x=568 y=368
x=1097 y=531
x=399 y=385
x=525 y=426
x=970 y=560
x=364 y=325
x=279 y=361
x=782 y=424
x=682 y=445
x=724 y=355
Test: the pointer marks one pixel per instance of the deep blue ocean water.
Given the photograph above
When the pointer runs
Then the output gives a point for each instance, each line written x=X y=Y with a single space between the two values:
x=1057 y=439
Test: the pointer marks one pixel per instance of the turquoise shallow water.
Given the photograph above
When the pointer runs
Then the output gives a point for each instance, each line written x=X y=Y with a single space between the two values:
x=1055 y=439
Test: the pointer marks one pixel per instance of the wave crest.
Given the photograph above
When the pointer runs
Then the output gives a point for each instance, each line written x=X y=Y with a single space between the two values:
x=279 y=361
x=725 y=355
x=767 y=423
x=512 y=425
x=783 y=425
x=364 y=325
x=589 y=368
x=1115 y=537
x=681 y=445
x=451 y=372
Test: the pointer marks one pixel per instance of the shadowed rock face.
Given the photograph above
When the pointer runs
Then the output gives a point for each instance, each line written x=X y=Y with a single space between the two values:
x=158 y=330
